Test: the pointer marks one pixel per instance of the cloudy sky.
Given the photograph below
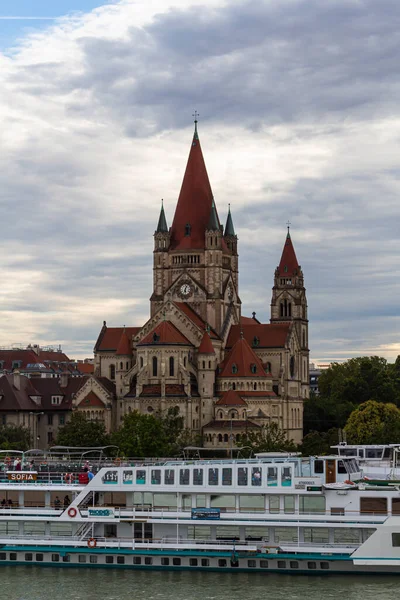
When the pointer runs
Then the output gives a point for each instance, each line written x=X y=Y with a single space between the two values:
x=299 y=119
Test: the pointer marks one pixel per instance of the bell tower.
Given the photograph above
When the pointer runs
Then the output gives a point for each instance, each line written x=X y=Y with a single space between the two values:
x=289 y=304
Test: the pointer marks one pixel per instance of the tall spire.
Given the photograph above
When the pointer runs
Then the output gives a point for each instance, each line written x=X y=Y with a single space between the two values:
x=213 y=223
x=162 y=226
x=288 y=265
x=193 y=210
x=229 y=229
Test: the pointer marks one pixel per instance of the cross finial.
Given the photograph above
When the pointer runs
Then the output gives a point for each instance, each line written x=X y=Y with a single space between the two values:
x=288 y=224
x=195 y=115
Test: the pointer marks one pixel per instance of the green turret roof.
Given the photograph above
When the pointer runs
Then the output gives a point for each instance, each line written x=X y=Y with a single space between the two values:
x=229 y=229
x=213 y=223
x=162 y=226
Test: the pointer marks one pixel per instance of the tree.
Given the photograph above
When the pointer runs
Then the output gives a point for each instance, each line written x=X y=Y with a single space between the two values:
x=317 y=443
x=142 y=435
x=268 y=438
x=15 y=437
x=374 y=423
x=80 y=431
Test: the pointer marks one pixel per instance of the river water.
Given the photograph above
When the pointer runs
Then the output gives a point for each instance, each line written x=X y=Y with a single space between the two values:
x=35 y=583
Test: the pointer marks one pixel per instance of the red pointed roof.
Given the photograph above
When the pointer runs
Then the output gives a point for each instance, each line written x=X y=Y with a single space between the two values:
x=206 y=346
x=230 y=398
x=240 y=360
x=110 y=336
x=165 y=333
x=124 y=345
x=260 y=335
x=288 y=265
x=194 y=202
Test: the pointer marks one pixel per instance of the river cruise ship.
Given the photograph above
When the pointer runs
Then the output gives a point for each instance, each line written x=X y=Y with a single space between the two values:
x=277 y=513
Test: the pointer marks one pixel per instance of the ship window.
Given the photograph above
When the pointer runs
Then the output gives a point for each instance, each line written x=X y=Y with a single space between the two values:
x=93 y=559
x=141 y=477
x=225 y=502
x=341 y=467
x=324 y=565
x=281 y=564
x=13 y=555
x=212 y=476
x=396 y=506
x=294 y=564
x=396 y=540
x=28 y=556
x=148 y=560
x=272 y=477
x=176 y=562
x=3 y=556
x=127 y=477
x=110 y=477
x=54 y=557
x=319 y=466
x=264 y=564
x=242 y=476
x=184 y=476
x=226 y=476
x=288 y=504
x=82 y=558
x=197 y=476
x=346 y=536
x=39 y=557
x=274 y=504
x=312 y=565
x=109 y=560
x=205 y=562
x=193 y=562
x=169 y=477
x=316 y=535
x=200 y=501
x=314 y=504
x=120 y=560
x=222 y=562
x=137 y=560
x=256 y=476
x=251 y=563
x=373 y=506
x=287 y=476
x=67 y=558
x=165 y=561
x=156 y=476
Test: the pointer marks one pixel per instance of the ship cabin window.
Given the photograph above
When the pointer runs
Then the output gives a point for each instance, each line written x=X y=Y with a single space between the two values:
x=197 y=476
x=287 y=476
x=82 y=558
x=109 y=560
x=169 y=477
x=340 y=467
x=55 y=558
x=312 y=565
x=281 y=564
x=165 y=561
x=67 y=558
x=127 y=477
x=264 y=564
x=156 y=476
x=242 y=476
x=294 y=564
x=184 y=475
x=396 y=540
x=272 y=477
x=193 y=562
x=319 y=466
x=222 y=562
x=212 y=476
x=148 y=560
x=110 y=477
x=226 y=476
x=140 y=477
x=120 y=560
x=176 y=562
x=39 y=557
x=256 y=476
x=324 y=565
x=274 y=504
x=13 y=556
x=3 y=556
x=205 y=562
x=137 y=560
x=251 y=563
x=28 y=556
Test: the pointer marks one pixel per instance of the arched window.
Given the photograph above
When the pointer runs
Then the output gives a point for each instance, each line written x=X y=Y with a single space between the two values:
x=220 y=437
x=220 y=415
x=127 y=365
x=238 y=437
x=154 y=366
x=234 y=414
x=234 y=386
x=226 y=437
x=282 y=315
x=188 y=229
x=255 y=386
x=171 y=366
x=289 y=309
x=121 y=365
x=209 y=364
x=184 y=362
x=204 y=364
x=141 y=361
x=112 y=371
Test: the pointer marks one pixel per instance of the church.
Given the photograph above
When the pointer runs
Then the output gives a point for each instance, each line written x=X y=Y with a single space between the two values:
x=226 y=373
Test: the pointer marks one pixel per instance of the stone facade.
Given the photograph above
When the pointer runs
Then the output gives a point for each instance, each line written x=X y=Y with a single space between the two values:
x=179 y=357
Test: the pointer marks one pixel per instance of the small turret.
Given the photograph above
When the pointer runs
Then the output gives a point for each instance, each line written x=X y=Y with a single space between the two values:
x=230 y=235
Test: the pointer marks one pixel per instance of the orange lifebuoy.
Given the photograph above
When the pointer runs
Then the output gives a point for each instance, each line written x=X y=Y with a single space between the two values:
x=92 y=543
x=72 y=512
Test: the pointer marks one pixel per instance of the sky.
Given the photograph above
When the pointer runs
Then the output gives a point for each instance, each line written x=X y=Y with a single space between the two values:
x=299 y=121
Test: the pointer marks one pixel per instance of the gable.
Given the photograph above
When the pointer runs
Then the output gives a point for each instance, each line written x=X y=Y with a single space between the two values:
x=91 y=399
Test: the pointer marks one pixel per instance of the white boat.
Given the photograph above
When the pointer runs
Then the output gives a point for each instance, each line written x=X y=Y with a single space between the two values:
x=378 y=461
x=270 y=514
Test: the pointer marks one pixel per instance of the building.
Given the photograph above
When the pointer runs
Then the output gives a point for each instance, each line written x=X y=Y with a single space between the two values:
x=227 y=373
x=37 y=362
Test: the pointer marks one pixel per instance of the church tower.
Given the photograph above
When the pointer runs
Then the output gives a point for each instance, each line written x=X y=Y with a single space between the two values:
x=289 y=304
x=195 y=261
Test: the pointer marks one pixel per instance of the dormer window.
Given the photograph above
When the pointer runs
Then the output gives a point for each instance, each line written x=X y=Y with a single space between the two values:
x=16 y=364
x=234 y=368
x=256 y=341
x=285 y=269
x=253 y=368
x=188 y=229
x=56 y=400
x=156 y=337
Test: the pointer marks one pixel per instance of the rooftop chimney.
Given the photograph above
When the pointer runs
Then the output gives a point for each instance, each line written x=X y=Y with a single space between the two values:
x=63 y=380
x=17 y=379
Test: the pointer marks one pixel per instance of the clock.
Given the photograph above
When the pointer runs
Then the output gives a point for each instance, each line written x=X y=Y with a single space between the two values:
x=185 y=289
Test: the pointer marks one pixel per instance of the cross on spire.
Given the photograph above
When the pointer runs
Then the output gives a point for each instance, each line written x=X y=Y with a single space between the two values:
x=195 y=115
x=288 y=224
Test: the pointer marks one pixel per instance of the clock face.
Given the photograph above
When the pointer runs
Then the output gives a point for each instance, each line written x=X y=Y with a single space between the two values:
x=185 y=289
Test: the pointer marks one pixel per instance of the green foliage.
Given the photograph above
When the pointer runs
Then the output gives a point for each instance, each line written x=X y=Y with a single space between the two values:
x=317 y=443
x=80 y=431
x=345 y=386
x=374 y=423
x=13 y=437
x=267 y=439
x=152 y=435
